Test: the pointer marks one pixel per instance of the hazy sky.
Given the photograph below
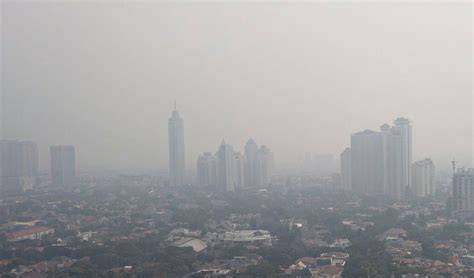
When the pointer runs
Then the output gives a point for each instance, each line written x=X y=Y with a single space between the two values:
x=296 y=77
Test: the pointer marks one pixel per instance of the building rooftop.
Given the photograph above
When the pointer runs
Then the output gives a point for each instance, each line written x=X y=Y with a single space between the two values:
x=27 y=232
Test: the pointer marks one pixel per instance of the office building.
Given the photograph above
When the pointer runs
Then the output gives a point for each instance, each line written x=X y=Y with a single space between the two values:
x=206 y=170
x=402 y=127
x=423 y=178
x=264 y=167
x=18 y=166
x=239 y=165
x=368 y=162
x=63 y=165
x=251 y=163
x=226 y=174
x=176 y=149
x=258 y=165
x=463 y=193
x=381 y=160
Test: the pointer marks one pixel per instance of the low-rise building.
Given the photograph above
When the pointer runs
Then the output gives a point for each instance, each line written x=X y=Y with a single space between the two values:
x=197 y=244
x=32 y=233
x=257 y=237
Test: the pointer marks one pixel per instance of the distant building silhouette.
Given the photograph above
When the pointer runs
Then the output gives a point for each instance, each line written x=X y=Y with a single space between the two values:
x=176 y=149
x=226 y=173
x=423 y=178
x=258 y=165
x=63 y=165
x=251 y=163
x=463 y=193
x=228 y=170
x=18 y=165
x=381 y=161
x=206 y=170
x=264 y=166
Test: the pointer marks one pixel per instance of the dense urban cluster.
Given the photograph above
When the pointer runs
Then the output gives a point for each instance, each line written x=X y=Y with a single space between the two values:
x=135 y=226
x=381 y=216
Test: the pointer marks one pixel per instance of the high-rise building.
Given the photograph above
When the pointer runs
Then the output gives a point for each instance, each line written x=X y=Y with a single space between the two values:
x=423 y=178
x=368 y=162
x=258 y=165
x=346 y=176
x=176 y=149
x=206 y=170
x=63 y=165
x=402 y=127
x=381 y=161
x=231 y=171
x=226 y=174
x=18 y=165
x=239 y=165
x=251 y=163
x=264 y=166
x=463 y=193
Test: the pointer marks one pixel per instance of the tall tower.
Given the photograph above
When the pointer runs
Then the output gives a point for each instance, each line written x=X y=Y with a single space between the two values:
x=63 y=165
x=19 y=162
x=403 y=126
x=176 y=149
x=423 y=178
x=226 y=168
x=463 y=193
x=251 y=163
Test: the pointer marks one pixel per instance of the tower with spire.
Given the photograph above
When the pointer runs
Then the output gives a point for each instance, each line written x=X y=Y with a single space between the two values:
x=176 y=148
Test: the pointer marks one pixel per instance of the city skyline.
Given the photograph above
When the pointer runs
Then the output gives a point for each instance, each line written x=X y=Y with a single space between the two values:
x=314 y=72
x=236 y=139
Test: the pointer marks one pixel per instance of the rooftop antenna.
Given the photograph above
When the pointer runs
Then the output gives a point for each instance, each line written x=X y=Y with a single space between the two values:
x=454 y=166
x=175 y=105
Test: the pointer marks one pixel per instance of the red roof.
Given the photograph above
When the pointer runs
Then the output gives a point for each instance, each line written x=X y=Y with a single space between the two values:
x=27 y=232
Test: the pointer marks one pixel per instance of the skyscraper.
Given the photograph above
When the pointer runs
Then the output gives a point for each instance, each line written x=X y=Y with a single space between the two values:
x=63 y=165
x=226 y=176
x=368 y=162
x=251 y=163
x=176 y=149
x=206 y=170
x=264 y=166
x=403 y=127
x=463 y=193
x=345 y=160
x=423 y=178
x=239 y=165
x=381 y=161
x=258 y=165
x=18 y=165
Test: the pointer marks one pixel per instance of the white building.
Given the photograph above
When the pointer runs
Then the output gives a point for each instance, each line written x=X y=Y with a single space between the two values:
x=176 y=149
x=423 y=178
x=255 y=237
